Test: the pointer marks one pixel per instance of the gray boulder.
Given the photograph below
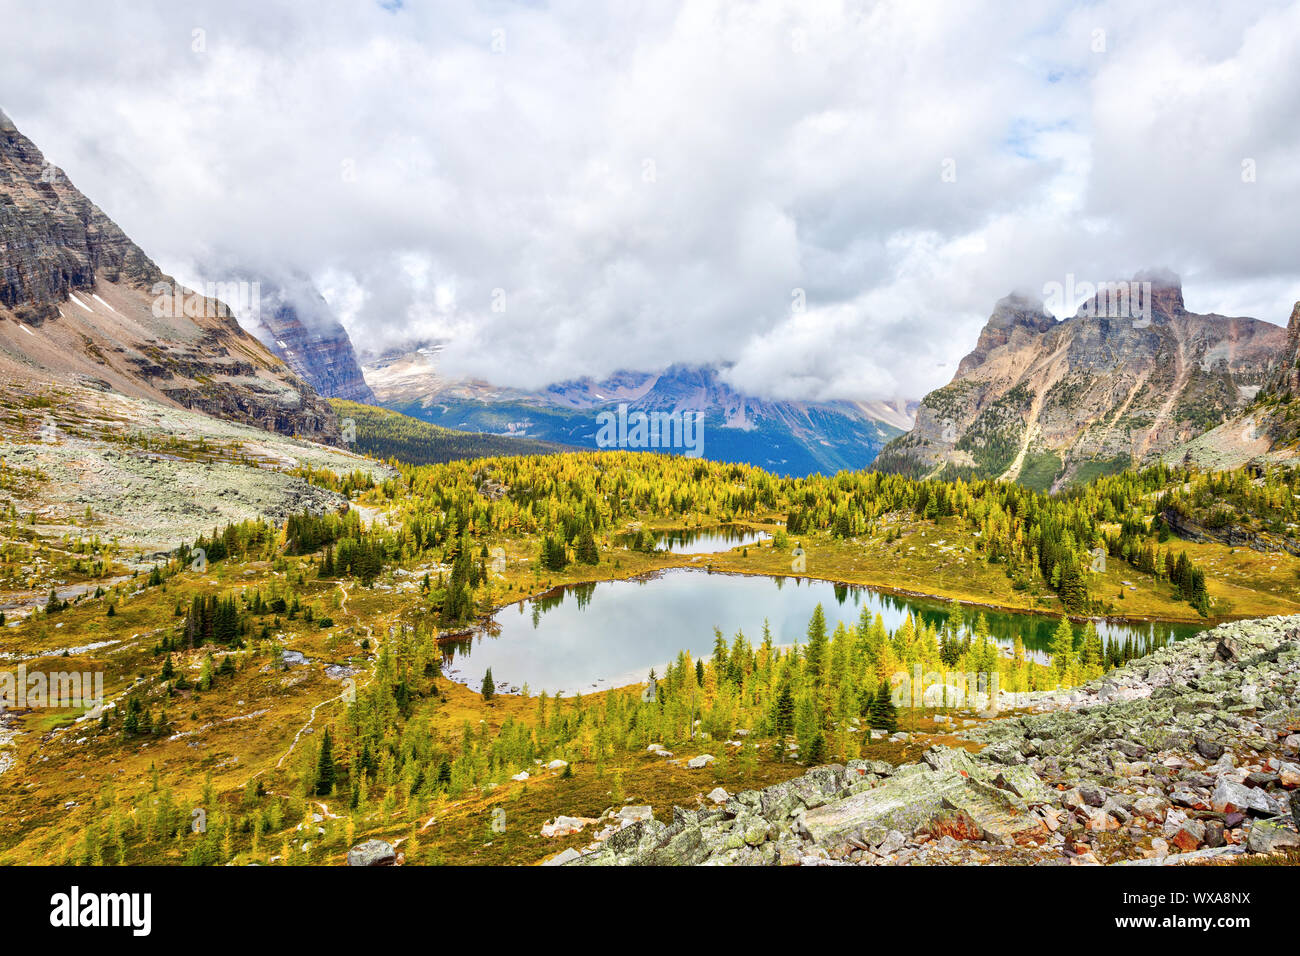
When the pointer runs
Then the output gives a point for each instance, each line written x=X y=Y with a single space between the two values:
x=1209 y=749
x=1226 y=651
x=903 y=802
x=372 y=853
x=1229 y=796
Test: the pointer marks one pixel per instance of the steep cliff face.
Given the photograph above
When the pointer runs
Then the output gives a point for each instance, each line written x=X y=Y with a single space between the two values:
x=81 y=303
x=1285 y=384
x=1277 y=413
x=1049 y=403
x=297 y=324
x=1264 y=433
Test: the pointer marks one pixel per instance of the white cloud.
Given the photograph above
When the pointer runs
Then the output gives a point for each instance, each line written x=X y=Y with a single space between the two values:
x=648 y=185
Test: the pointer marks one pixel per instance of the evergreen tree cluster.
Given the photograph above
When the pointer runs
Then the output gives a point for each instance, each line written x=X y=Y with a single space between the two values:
x=212 y=620
x=386 y=434
x=566 y=501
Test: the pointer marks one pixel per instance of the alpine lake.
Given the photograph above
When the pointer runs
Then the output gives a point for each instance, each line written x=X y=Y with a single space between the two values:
x=582 y=638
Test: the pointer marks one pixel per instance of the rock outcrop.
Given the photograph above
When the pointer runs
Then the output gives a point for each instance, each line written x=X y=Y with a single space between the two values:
x=1123 y=381
x=1230 y=534
x=1188 y=754
x=82 y=304
x=1285 y=384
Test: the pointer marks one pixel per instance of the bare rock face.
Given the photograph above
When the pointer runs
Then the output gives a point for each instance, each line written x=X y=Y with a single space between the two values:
x=297 y=324
x=1281 y=397
x=1017 y=320
x=1122 y=381
x=52 y=238
x=80 y=302
x=1286 y=381
x=1264 y=433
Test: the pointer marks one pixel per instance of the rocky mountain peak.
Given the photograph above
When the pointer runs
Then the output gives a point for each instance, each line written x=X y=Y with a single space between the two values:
x=1020 y=308
x=1166 y=290
x=1152 y=294
x=1127 y=378
x=80 y=303
x=53 y=240
x=1016 y=316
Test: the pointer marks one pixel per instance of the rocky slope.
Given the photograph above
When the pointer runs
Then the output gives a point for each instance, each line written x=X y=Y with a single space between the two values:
x=1188 y=754
x=152 y=476
x=81 y=303
x=1268 y=431
x=296 y=323
x=1050 y=402
x=786 y=437
x=1285 y=384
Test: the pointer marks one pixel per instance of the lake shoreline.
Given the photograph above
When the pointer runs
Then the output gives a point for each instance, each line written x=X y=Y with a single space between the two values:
x=647 y=617
x=897 y=590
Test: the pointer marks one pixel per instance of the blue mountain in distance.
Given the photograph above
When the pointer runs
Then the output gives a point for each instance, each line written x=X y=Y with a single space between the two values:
x=784 y=437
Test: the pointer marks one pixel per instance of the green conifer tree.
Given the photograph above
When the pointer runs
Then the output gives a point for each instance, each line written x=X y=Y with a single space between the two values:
x=325 y=770
x=883 y=715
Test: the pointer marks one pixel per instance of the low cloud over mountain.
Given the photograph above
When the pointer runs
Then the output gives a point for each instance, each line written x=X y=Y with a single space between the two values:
x=776 y=185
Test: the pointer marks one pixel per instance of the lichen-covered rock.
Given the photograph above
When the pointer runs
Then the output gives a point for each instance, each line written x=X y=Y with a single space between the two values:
x=903 y=802
x=1024 y=783
x=1265 y=837
x=1229 y=796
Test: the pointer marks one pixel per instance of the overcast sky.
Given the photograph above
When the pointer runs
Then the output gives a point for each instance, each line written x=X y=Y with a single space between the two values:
x=567 y=189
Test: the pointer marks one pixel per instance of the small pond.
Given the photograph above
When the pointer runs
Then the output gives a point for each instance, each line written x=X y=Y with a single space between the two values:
x=694 y=540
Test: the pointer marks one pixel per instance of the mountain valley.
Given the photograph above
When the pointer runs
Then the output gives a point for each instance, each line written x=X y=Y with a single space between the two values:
x=1084 y=549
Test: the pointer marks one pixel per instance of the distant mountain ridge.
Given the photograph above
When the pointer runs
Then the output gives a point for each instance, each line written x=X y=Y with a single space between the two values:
x=786 y=437
x=82 y=304
x=1050 y=403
